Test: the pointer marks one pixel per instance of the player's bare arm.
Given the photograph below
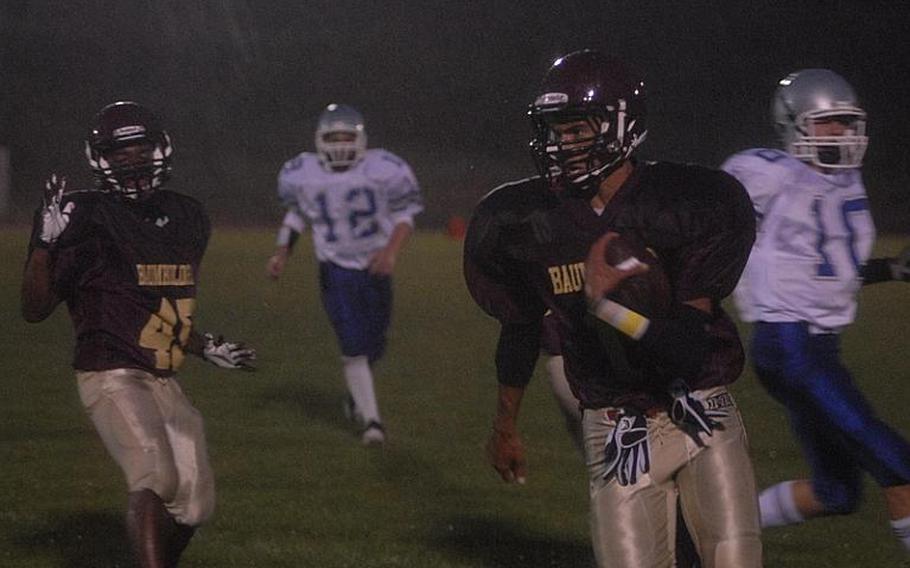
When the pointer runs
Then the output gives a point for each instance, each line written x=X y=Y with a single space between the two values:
x=288 y=234
x=37 y=295
x=505 y=449
x=276 y=263
x=516 y=355
x=383 y=264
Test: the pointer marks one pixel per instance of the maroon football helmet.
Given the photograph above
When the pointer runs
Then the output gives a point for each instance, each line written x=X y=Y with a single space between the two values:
x=124 y=124
x=600 y=90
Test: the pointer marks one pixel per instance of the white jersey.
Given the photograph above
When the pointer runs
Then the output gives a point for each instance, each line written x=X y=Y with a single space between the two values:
x=352 y=212
x=814 y=233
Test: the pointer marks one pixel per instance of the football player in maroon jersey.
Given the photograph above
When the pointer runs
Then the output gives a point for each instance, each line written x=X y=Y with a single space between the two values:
x=125 y=258
x=657 y=416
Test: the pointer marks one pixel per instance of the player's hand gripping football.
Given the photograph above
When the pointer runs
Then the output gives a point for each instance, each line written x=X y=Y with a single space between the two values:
x=600 y=277
x=228 y=354
x=55 y=216
x=506 y=453
x=900 y=266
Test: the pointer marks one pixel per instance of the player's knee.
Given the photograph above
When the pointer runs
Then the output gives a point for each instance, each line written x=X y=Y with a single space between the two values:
x=839 y=500
x=743 y=551
x=376 y=353
x=164 y=480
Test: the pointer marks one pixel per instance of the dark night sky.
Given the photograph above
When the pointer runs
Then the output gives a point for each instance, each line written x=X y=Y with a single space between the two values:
x=442 y=83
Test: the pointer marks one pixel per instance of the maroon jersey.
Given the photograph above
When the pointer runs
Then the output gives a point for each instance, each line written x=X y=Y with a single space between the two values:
x=128 y=272
x=525 y=252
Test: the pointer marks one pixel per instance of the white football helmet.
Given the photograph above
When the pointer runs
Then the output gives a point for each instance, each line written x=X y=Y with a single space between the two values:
x=805 y=96
x=341 y=140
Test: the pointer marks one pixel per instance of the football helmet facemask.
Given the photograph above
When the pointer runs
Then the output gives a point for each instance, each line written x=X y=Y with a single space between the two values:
x=341 y=140
x=806 y=97
x=121 y=125
x=586 y=87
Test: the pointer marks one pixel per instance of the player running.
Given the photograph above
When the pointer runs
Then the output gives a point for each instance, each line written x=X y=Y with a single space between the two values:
x=799 y=288
x=125 y=258
x=657 y=415
x=361 y=205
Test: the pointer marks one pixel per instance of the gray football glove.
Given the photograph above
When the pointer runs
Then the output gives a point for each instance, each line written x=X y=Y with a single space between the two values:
x=690 y=414
x=54 y=219
x=900 y=266
x=627 y=453
x=228 y=354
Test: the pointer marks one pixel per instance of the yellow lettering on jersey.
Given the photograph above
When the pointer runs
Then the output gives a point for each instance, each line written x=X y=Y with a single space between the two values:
x=567 y=278
x=165 y=274
x=556 y=278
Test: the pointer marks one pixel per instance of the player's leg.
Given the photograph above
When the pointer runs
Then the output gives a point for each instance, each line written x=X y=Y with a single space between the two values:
x=568 y=404
x=148 y=524
x=123 y=409
x=898 y=500
x=194 y=502
x=376 y=302
x=877 y=448
x=836 y=425
x=633 y=524
x=344 y=295
x=717 y=489
x=836 y=483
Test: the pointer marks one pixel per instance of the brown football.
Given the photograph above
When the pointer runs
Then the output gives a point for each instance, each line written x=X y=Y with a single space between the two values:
x=649 y=293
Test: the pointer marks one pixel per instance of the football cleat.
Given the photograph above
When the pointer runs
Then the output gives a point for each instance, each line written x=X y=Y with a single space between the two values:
x=373 y=434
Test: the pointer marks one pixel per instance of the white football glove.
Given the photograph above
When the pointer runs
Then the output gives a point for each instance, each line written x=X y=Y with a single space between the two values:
x=900 y=266
x=54 y=219
x=690 y=414
x=627 y=453
x=228 y=354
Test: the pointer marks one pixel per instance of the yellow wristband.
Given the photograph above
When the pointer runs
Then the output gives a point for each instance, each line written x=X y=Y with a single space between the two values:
x=628 y=322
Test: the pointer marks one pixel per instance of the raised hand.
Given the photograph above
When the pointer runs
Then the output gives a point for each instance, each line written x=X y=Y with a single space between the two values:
x=55 y=216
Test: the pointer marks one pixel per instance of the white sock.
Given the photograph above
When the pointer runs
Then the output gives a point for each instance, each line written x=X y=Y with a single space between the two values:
x=901 y=529
x=778 y=507
x=359 y=378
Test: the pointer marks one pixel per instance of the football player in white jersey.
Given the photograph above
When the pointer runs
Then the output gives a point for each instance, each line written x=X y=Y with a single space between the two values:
x=810 y=258
x=360 y=204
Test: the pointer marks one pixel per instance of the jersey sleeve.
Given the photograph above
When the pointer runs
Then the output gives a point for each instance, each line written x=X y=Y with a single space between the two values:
x=494 y=281
x=493 y=278
x=287 y=189
x=718 y=234
x=405 y=201
x=758 y=170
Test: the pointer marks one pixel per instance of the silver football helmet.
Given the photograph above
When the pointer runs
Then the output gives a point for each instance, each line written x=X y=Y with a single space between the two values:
x=811 y=95
x=341 y=140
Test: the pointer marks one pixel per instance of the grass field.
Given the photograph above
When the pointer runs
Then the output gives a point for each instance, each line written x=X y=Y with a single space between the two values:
x=295 y=487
